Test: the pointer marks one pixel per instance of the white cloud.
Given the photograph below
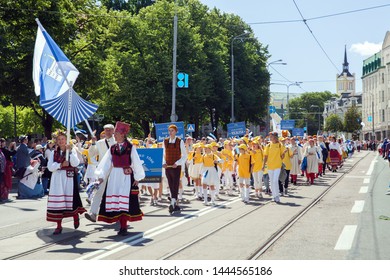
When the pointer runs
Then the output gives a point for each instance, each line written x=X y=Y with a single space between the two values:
x=366 y=48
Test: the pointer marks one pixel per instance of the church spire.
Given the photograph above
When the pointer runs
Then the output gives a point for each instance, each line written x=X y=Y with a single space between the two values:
x=346 y=64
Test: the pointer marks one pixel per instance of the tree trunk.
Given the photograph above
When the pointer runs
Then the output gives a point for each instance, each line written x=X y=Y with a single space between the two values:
x=145 y=127
x=47 y=122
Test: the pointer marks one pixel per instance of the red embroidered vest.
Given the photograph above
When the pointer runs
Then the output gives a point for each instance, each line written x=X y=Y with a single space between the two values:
x=121 y=157
x=172 y=151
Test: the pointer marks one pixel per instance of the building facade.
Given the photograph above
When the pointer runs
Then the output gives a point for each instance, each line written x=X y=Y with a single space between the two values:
x=376 y=93
x=346 y=90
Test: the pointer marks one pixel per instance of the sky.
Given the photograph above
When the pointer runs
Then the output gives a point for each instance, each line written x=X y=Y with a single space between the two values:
x=314 y=64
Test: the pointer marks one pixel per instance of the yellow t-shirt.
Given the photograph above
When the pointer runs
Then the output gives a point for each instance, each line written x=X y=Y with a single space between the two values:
x=208 y=160
x=196 y=157
x=244 y=165
x=274 y=153
x=257 y=160
x=228 y=158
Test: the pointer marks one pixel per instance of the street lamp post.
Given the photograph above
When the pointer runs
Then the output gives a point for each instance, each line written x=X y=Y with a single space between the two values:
x=319 y=122
x=174 y=117
x=288 y=93
x=242 y=37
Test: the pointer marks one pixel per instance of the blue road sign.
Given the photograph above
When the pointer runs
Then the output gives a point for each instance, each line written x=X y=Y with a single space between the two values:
x=191 y=128
x=287 y=124
x=152 y=163
x=182 y=80
x=369 y=118
x=272 y=109
x=298 y=132
x=162 y=130
x=236 y=129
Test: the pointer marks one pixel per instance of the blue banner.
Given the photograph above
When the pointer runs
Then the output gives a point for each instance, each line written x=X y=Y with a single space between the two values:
x=287 y=124
x=298 y=132
x=236 y=129
x=162 y=130
x=152 y=163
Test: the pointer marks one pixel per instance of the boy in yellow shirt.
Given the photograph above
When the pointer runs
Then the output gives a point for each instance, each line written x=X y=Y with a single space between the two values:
x=244 y=172
x=257 y=167
x=227 y=168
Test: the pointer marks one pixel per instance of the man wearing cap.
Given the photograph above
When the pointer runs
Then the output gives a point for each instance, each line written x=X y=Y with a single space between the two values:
x=174 y=156
x=273 y=155
x=99 y=149
x=120 y=169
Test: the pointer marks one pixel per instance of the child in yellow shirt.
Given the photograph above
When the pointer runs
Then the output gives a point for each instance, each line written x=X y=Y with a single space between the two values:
x=244 y=172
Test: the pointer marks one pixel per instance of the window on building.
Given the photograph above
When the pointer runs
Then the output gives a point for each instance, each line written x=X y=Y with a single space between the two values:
x=350 y=86
x=383 y=116
x=340 y=85
x=383 y=78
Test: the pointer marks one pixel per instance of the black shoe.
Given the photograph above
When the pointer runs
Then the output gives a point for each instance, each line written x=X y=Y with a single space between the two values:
x=123 y=232
x=170 y=209
x=177 y=208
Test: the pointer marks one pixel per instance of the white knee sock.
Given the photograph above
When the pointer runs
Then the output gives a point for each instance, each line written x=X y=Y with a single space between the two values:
x=212 y=192
x=205 y=195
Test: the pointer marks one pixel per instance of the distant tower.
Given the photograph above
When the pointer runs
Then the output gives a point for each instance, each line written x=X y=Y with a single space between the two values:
x=345 y=80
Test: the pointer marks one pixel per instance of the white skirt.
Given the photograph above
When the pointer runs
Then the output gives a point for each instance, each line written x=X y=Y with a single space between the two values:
x=90 y=173
x=209 y=175
x=196 y=170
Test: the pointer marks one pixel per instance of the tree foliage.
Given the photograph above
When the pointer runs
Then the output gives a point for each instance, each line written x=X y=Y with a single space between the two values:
x=352 y=120
x=334 y=123
x=123 y=50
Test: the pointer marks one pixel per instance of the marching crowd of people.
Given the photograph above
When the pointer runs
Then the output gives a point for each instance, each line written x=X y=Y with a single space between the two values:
x=111 y=172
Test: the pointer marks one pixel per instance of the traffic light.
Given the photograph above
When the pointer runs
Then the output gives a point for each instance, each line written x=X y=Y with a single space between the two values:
x=182 y=80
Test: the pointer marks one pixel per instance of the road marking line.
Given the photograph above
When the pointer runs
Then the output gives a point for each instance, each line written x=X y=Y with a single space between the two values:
x=371 y=168
x=111 y=249
x=363 y=189
x=358 y=206
x=346 y=238
x=9 y=225
x=366 y=181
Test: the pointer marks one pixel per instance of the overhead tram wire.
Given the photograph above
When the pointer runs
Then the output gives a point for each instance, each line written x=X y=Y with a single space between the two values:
x=287 y=80
x=320 y=17
x=315 y=38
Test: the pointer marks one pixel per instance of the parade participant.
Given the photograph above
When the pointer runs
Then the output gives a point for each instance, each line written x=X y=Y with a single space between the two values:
x=296 y=160
x=99 y=149
x=174 y=155
x=214 y=149
x=209 y=173
x=244 y=162
x=23 y=156
x=324 y=152
x=273 y=154
x=228 y=166
x=121 y=170
x=29 y=186
x=196 y=158
x=311 y=153
x=6 y=180
x=283 y=186
x=257 y=167
x=334 y=153
x=64 y=198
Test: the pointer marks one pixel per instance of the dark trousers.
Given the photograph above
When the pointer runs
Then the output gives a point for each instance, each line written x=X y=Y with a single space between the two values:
x=285 y=183
x=173 y=177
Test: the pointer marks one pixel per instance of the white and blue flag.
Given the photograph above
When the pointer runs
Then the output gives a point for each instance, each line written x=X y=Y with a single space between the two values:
x=52 y=71
x=54 y=76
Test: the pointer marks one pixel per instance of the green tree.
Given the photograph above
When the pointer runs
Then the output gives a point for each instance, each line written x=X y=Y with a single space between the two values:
x=334 y=123
x=352 y=120
x=305 y=109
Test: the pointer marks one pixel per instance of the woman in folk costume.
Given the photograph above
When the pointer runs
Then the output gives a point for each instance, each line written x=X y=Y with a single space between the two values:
x=195 y=171
x=296 y=160
x=312 y=161
x=334 y=153
x=209 y=173
x=257 y=167
x=320 y=157
x=64 y=198
x=244 y=162
x=228 y=163
x=123 y=167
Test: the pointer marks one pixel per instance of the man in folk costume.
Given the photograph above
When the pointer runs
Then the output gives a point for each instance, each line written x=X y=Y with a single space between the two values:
x=98 y=149
x=174 y=156
x=120 y=169
x=64 y=197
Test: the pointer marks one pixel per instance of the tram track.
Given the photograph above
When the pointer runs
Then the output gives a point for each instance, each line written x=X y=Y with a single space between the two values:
x=255 y=255
x=279 y=233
